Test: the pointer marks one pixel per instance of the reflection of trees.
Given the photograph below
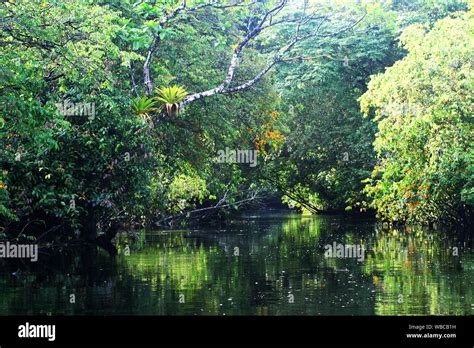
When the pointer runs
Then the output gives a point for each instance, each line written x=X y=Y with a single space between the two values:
x=415 y=272
x=277 y=257
x=321 y=286
x=45 y=287
x=288 y=263
x=209 y=278
x=289 y=259
x=302 y=231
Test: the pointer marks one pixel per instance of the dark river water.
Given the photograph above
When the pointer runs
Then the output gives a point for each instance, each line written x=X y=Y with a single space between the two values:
x=264 y=264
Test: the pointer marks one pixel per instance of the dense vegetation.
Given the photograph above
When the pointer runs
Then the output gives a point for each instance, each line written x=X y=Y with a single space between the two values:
x=113 y=112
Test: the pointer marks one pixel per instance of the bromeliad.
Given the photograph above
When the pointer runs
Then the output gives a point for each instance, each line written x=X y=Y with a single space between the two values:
x=171 y=96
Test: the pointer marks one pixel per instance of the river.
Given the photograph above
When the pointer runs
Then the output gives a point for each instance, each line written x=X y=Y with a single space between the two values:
x=267 y=263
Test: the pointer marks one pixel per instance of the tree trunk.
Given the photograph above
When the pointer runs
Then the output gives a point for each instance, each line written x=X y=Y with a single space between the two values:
x=89 y=232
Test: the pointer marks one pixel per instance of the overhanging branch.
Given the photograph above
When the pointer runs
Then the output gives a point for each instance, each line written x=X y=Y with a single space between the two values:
x=224 y=88
x=162 y=24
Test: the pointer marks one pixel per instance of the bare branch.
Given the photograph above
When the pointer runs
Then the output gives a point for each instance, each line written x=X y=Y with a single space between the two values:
x=146 y=66
x=162 y=23
x=221 y=89
x=236 y=56
x=219 y=205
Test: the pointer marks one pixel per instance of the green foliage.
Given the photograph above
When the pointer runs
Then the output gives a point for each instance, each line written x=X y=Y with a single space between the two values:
x=171 y=95
x=142 y=106
x=329 y=150
x=423 y=105
x=425 y=11
x=186 y=191
x=68 y=168
x=76 y=168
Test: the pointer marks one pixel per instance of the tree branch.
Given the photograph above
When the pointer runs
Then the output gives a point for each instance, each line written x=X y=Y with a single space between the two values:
x=223 y=89
x=219 y=205
x=162 y=23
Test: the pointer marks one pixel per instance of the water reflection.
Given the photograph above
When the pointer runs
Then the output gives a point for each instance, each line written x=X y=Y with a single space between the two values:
x=270 y=264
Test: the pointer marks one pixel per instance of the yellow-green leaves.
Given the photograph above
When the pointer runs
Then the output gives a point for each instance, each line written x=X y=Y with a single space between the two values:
x=171 y=96
x=143 y=106
x=422 y=105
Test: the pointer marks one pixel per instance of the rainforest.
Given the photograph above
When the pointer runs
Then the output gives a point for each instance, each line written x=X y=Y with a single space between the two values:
x=184 y=146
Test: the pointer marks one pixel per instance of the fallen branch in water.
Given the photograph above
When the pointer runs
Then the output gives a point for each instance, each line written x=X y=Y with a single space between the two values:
x=219 y=205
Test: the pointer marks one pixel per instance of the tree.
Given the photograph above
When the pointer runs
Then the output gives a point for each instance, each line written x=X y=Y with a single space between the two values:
x=71 y=154
x=257 y=19
x=329 y=149
x=423 y=106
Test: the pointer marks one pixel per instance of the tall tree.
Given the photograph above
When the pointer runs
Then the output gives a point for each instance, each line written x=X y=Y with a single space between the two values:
x=423 y=106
